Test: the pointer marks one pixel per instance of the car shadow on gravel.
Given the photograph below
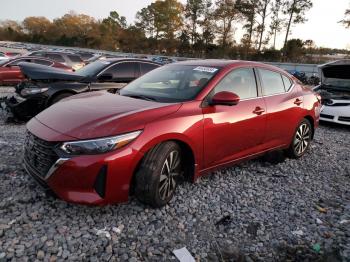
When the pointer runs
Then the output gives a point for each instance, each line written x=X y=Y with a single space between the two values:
x=335 y=126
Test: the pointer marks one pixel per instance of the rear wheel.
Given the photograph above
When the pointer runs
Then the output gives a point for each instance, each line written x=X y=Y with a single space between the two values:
x=301 y=140
x=158 y=175
x=59 y=97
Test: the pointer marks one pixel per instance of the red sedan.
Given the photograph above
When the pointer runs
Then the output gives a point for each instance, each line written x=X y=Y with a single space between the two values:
x=180 y=120
x=10 y=73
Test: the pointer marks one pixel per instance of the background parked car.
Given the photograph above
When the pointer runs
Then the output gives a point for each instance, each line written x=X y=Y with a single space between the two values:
x=12 y=54
x=335 y=92
x=163 y=60
x=66 y=58
x=85 y=56
x=10 y=73
x=3 y=56
x=49 y=85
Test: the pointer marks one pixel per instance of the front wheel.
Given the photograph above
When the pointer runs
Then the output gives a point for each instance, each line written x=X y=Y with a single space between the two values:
x=301 y=140
x=158 y=175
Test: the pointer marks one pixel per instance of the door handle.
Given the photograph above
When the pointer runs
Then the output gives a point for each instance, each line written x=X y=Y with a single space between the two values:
x=298 y=102
x=258 y=110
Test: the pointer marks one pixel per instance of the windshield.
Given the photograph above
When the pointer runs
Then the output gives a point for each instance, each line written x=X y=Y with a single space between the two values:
x=93 y=68
x=172 y=83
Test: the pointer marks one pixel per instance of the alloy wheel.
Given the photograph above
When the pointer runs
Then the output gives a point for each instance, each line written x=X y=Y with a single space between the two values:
x=302 y=138
x=169 y=174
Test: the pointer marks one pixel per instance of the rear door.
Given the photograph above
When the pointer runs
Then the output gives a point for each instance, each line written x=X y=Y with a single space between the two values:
x=233 y=132
x=284 y=103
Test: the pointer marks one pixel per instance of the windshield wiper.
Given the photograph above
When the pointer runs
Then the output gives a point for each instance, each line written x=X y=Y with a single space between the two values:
x=148 y=98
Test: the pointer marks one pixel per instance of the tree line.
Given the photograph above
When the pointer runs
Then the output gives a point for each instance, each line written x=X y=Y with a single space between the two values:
x=200 y=28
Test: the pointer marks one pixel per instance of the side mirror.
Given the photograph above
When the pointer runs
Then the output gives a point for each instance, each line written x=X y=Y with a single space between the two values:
x=105 y=77
x=225 y=98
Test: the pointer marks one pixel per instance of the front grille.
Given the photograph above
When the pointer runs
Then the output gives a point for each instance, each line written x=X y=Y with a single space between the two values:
x=326 y=116
x=39 y=155
x=344 y=118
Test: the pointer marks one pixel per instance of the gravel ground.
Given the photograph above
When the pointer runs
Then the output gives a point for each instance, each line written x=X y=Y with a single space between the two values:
x=290 y=210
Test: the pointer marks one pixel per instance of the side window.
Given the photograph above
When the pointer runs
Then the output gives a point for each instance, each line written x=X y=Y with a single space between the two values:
x=56 y=57
x=42 y=62
x=122 y=71
x=287 y=82
x=272 y=82
x=146 y=67
x=240 y=81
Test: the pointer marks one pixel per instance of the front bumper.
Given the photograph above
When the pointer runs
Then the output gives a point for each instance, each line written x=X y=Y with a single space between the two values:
x=90 y=179
x=335 y=114
x=24 y=109
x=97 y=180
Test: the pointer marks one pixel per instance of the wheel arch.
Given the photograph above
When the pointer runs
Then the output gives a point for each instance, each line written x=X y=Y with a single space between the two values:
x=189 y=158
x=312 y=122
x=54 y=95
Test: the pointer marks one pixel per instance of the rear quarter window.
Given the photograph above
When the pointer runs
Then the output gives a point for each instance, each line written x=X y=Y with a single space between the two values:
x=272 y=82
x=287 y=83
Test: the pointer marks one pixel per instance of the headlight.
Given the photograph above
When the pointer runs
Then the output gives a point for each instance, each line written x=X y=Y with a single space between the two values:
x=33 y=91
x=99 y=146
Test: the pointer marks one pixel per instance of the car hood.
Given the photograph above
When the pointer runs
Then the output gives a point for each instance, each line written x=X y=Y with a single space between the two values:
x=102 y=114
x=336 y=73
x=42 y=72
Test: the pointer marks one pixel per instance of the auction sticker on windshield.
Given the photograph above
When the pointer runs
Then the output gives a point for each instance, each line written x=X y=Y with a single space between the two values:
x=206 y=69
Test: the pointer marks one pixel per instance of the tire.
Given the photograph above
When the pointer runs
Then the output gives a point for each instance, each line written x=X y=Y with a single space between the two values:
x=154 y=184
x=59 y=97
x=301 y=140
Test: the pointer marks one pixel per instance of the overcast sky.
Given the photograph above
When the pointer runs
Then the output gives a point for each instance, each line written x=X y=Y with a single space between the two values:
x=322 y=25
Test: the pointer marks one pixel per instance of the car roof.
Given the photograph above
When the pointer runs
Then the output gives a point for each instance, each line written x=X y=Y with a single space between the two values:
x=55 y=52
x=121 y=59
x=32 y=57
x=227 y=63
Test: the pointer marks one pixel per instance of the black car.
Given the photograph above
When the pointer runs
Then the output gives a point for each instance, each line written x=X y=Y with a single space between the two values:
x=47 y=85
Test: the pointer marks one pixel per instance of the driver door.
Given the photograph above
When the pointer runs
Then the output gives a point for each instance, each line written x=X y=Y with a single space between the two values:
x=123 y=72
x=233 y=132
